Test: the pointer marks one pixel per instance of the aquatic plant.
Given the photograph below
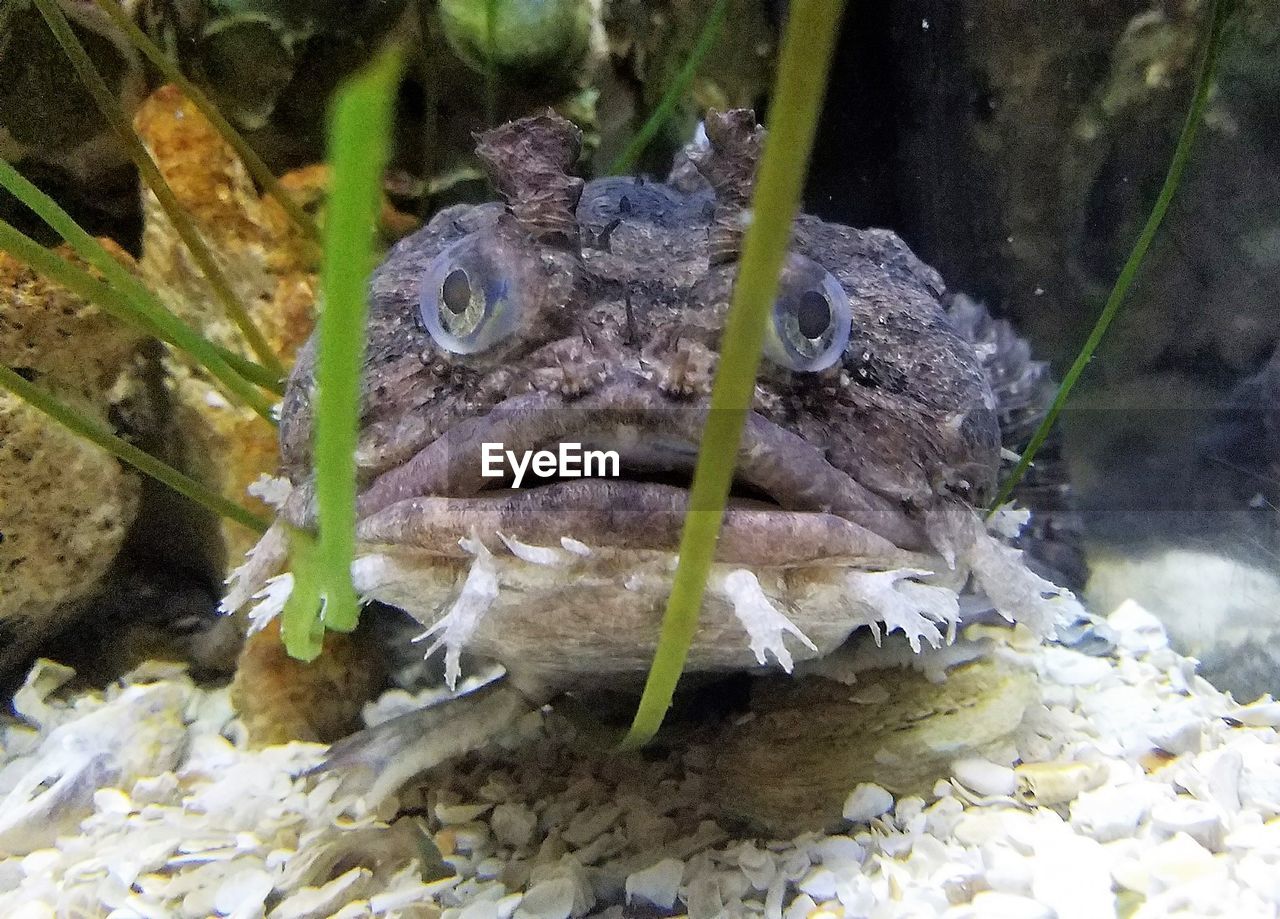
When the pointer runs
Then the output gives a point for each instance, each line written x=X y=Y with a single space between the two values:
x=807 y=45
x=124 y=296
x=359 y=149
x=252 y=162
x=626 y=161
x=359 y=141
x=1219 y=13
x=155 y=182
x=77 y=423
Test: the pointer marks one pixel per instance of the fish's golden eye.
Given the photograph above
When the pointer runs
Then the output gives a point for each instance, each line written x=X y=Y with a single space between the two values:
x=469 y=299
x=811 y=318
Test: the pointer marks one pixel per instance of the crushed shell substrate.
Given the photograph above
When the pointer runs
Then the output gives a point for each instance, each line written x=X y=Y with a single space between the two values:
x=1136 y=789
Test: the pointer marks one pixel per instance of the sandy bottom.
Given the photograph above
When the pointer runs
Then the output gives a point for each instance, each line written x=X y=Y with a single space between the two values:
x=1132 y=787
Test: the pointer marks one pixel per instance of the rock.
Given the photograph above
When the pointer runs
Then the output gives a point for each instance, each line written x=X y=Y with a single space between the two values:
x=1112 y=812
x=1047 y=784
x=526 y=38
x=1183 y=814
x=984 y=776
x=1263 y=713
x=65 y=504
x=656 y=884
x=243 y=893
x=991 y=904
x=551 y=899
x=270 y=266
x=1138 y=630
x=1071 y=668
x=811 y=733
x=866 y=802
x=513 y=824
x=45 y=115
x=1180 y=860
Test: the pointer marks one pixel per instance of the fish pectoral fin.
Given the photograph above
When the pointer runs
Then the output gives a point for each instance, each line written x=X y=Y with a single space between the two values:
x=377 y=762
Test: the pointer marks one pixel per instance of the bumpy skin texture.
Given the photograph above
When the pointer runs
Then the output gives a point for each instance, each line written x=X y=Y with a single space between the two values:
x=854 y=475
x=628 y=321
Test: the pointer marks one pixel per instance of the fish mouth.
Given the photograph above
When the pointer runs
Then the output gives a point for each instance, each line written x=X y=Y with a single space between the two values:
x=788 y=503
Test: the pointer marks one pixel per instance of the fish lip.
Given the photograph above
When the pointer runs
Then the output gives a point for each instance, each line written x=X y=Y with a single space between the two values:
x=623 y=515
x=780 y=463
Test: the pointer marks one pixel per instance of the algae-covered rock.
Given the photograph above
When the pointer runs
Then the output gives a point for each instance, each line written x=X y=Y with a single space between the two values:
x=269 y=265
x=280 y=699
x=65 y=504
x=789 y=767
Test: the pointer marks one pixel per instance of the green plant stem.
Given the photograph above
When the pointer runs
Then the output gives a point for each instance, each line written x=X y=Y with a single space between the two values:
x=300 y=628
x=75 y=422
x=252 y=162
x=358 y=149
x=161 y=324
x=1218 y=16
x=164 y=324
x=625 y=162
x=150 y=173
x=802 y=75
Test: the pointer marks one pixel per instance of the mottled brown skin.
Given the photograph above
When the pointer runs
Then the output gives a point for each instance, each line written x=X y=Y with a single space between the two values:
x=624 y=304
x=619 y=290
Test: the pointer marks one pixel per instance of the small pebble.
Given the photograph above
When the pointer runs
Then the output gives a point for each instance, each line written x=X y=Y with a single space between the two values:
x=985 y=777
x=513 y=824
x=1137 y=630
x=1047 y=784
x=551 y=899
x=656 y=884
x=242 y=892
x=1111 y=812
x=1179 y=860
x=820 y=883
x=1140 y=788
x=994 y=904
x=1070 y=668
x=1184 y=814
x=1259 y=714
x=866 y=802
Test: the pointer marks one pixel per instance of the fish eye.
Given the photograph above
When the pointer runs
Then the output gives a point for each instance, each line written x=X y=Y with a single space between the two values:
x=811 y=318
x=469 y=300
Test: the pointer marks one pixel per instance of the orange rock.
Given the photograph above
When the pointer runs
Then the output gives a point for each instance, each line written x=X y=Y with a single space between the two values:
x=269 y=264
x=282 y=699
x=65 y=504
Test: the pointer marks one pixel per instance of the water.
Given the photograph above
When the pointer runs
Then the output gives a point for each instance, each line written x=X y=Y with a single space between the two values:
x=1016 y=148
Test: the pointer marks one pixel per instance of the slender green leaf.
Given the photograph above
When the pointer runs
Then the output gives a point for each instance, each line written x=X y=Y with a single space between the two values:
x=358 y=148
x=1218 y=16
x=802 y=75
x=90 y=430
x=300 y=627
x=161 y=324
x=150 y=314
x=626 y=161
x=150 y=173
x=252 y=162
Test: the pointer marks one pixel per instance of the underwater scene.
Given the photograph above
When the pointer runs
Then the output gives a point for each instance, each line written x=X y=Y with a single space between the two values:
x=532 y=459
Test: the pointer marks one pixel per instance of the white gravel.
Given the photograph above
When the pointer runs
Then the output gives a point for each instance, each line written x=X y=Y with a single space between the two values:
x=1134 y=789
